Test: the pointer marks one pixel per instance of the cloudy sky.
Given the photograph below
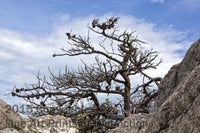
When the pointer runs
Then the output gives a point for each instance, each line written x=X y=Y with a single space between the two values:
x=32 y=30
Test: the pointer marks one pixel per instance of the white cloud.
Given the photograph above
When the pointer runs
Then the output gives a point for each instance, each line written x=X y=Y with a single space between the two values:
x=157 y=1
x=21 y=56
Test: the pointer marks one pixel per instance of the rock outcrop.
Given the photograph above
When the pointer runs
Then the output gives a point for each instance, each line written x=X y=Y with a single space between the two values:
x=177 y=107
x=12 y=122
x=6 y=113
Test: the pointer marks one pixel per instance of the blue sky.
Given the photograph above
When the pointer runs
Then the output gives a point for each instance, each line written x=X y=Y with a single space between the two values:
x=37 y=16
x=32 y=30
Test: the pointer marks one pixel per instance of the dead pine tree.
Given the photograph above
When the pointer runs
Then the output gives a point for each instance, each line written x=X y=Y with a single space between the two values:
x=120 y=56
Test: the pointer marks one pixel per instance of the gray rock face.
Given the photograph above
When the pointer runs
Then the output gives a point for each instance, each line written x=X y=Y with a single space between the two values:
x=177 y=108
x=179 y=72
x=50 y=124
x=6 y=113
x=12 y=122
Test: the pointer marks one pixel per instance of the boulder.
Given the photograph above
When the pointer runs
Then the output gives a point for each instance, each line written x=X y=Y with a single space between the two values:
x=50 y=124
x=12 y=122
x=7 y=113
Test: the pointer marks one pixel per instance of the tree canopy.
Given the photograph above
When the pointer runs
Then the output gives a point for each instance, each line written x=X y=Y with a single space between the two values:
x=119 y=56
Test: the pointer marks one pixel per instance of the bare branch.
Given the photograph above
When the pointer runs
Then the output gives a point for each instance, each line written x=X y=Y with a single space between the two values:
x=121 y=55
